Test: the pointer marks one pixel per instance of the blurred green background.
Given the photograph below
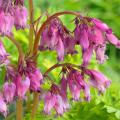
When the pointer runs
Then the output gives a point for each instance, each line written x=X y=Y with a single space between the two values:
x=106 y=107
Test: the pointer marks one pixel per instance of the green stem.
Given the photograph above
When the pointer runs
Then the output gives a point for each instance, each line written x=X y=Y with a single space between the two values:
x=35 y=105
x=19 y=110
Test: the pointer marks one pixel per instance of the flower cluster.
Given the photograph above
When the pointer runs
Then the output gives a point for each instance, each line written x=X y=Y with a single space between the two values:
x=18 y=81
x=74 y=80
x=90 y=33
x=12 y=13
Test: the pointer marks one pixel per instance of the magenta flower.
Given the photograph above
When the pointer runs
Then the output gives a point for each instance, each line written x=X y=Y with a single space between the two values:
x=63 y=91
x=3 y=55
x=100 y=54
x=102 y=26
x=52 y=39
x=53 y=99
x=113 y=39
x=36 y=80
x=87 y=55
x=22 y=85
x=60 y=50
x=6 y=23
x=81 y=36
x=69 y=45
x=3 y=106
x=76 y=84
x=9 y=91
x=98 y=80
x=20 y=17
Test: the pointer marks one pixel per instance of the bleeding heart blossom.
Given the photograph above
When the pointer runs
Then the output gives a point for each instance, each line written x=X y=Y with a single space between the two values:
x=53 y=99
x=20 y=17
x=3 y=106
x=22 y=85
x=98 y=80
x=9 y=91
x=6 y=23
x=3 y=55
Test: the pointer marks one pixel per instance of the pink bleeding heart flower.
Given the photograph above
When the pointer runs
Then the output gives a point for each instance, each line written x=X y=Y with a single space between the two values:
x=60 y=50
x=20 y=17
x=87 y=55
x=100 y=54
x=76 y=84
x=98 y=80
x=102 y=26
x=3 y=106
x=36 y=79
x=69 y=45
x=3 y=55
x=113 y=39
x=63 y=91
x=6 y=23
x=81 y=36
x=9 y=91
x=22 y=85
x=53 y=99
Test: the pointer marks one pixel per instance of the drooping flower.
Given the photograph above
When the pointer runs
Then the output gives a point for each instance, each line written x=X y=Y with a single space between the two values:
x=52 y=38
x=98 y=80
x=20 y=17
x=35 y=80
x=3 y=55
x=22 y=85
x=9 y=91
x=100 y=53
x=34 y=74
x=53 y=99
x=63 y=91
x=87 y=55
x=113 y=39
x=81 y=36
x=3 y=106
x=6 y=23
x=69 y=45
x=76 y=84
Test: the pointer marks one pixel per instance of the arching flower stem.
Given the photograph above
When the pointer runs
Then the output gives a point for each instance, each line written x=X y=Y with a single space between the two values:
x=37 y=38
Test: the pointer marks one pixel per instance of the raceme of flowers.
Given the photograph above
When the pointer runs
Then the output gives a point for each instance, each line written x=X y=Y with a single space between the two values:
x=91 y=34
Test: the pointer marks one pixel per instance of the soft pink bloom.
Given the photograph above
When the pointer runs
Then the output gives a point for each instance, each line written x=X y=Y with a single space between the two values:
x=6 y=23
x=53 y=99
x=63 y=90
x=36 y=79
x=3 y=106
x=60 y=50
x=76 y=84
x=86 y=91
x=100 y=53
x=69 y=45
x=87 y=55
x=22 y=85
x=9 y=91
x=20 y=17
x=96 y=36
x=113 y=39
x=3 y=55
x=81 y=36
x=98 y=80
x=102 y=26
